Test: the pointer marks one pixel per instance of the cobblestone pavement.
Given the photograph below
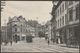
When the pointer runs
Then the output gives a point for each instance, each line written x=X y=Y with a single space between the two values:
x=38 y=45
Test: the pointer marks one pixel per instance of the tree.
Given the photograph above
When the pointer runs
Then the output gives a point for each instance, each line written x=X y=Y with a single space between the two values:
x=32 y=23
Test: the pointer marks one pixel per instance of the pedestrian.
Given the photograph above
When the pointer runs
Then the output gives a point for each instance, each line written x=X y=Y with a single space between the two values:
x=6 y=42
x=48 y=42
x=11 y=43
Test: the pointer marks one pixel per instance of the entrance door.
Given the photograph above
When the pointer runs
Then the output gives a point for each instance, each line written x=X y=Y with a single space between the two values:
x=23 y=38
x=18 y=38
x=77 y=34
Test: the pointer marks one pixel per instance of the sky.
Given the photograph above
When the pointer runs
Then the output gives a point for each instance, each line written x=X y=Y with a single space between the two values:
x=30 y=10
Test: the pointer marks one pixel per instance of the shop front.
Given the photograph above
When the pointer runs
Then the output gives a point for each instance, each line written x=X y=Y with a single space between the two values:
x=73 y=33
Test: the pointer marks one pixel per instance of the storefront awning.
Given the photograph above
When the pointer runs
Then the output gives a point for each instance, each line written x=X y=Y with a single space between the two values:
x=23 y=35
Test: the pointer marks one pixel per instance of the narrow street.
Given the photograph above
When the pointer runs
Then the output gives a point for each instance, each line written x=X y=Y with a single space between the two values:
x=38 y=45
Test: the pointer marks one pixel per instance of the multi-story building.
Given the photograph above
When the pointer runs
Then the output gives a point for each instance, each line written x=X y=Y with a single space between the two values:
x=30 y=30
x=16 y=28
x=53 y=26
x=3 y=33
x=73 y=22
x=60 y=12
x=67 y=21
x=34 y=24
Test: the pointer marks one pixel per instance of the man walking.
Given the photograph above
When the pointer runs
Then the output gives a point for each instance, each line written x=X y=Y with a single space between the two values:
x=11 y=42
x=48 y=42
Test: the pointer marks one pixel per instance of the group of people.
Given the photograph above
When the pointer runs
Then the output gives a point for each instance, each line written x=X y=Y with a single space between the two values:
x=6 y=42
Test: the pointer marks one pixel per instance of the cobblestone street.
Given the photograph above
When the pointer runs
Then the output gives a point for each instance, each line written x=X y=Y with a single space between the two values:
x=38 y=45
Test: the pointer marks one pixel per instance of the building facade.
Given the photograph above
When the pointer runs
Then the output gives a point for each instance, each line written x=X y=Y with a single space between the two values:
x=67 y=21
x=30 y=30
x=3 y=33
x=16 y=30
x=53 y=26
x=48 y=30
x=73 y=22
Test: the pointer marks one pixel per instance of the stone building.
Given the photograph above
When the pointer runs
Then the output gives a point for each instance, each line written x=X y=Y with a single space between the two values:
x=60 y=21
x=73 y=22
x=67 y=21
x=16 y=29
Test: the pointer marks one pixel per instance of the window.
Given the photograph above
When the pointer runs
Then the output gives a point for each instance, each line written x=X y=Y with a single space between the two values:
x=66 y=19
x=60 y=21
x=57 y=23
x=77 y=11
x=63 y=20
x=21 y=28
x=57 y=12
x=60 y=10
x=15 y=29
x=70 y=2
x=71 y=14
x=63 y=8
x=26 y=30
x=66 y=5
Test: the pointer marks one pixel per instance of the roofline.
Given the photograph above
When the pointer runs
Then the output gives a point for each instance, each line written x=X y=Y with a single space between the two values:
x=58 y=4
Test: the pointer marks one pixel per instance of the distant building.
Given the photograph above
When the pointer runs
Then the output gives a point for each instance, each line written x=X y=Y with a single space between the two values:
x=43 y=28
x=30 y=30
x=3 y=33
x=48 y=30
x=38 y=28
x=34 y=24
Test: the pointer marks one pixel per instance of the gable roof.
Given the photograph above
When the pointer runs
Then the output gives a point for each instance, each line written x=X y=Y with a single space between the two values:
x=19 y=19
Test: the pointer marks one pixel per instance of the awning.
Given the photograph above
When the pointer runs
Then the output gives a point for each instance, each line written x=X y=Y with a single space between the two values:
x=46 y=33
x=23 y=35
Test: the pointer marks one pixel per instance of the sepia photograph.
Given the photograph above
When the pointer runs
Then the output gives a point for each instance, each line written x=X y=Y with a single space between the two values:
x=40 y=26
